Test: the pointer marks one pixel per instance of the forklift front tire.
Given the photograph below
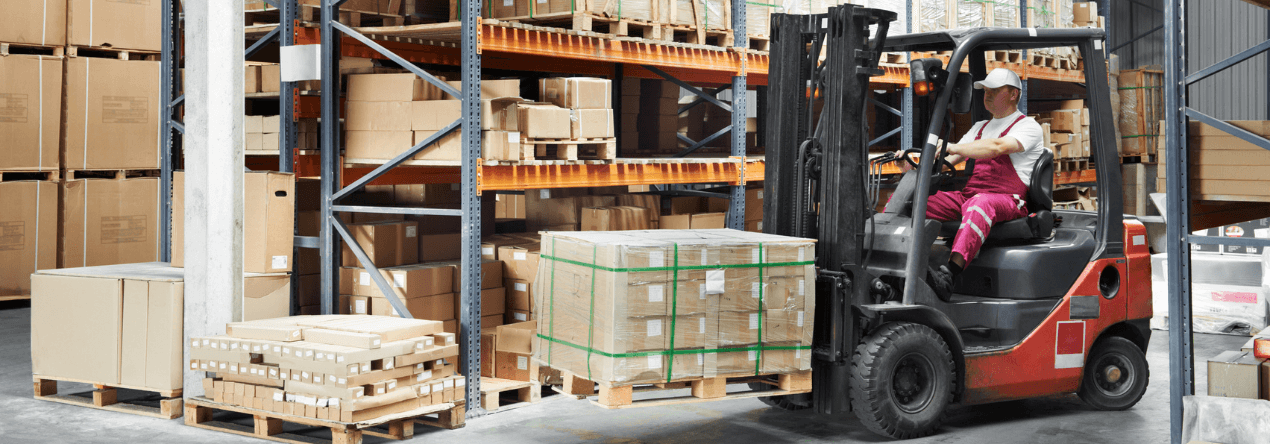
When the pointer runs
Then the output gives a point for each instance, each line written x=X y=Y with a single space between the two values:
x=1116 y=375
x=902 y=380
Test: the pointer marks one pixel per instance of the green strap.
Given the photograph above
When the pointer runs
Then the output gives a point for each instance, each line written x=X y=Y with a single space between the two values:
x=758 y=361
x=551 y=327
x=674 y=311
x=1139 y=87
x=590 y=333
x=681 y=268
x=669 y=352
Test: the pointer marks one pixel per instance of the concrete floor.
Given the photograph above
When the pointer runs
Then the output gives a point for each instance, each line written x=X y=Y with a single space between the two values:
x=1062 y=419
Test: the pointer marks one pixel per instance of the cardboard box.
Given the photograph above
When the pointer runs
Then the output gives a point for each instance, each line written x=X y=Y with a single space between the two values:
x=123 y=25
x=269 y=216
x=405 y=87
x=1065 y=121
x=1234 y=374
x=433 y=115
x=614 y=218
x=491 y=274
x=251 y=78
x=1084 y=12
x=28 y=233
x=434 y=308
x=109 y=221
x=387 y=244
x=693 y=221
x=592 y=123
x=519 y=263
x=489 y=339
x=517 y=316
x=427 y=194
x=381 y=145
x=379 y=116
x=37 y=23
x=577 y=92
x=440 y=247
x=30 y=106
x=544 y=121
x=119 y=102
x=687 y=205
x=266 y=296
x=270 y=77
x=408 y=281
x=491 y=321
x=495 y=89
x=519 y=296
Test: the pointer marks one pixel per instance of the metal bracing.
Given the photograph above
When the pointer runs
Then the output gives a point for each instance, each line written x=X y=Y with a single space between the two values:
x=169 y=123
x=736 y=207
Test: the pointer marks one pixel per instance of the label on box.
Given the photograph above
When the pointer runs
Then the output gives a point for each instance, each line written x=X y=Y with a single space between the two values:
x=702 y=326
x=800 y=319
x=801 y=254
x=521 y=286
x=203 y=366
x=755 y=255
x=399 y=280
x=752 y=355
x=323 y=402
x=654 y=327
x=359 y=307
x=802 y=287
x=522 y=363
x=461 y=382
x=216 y=346
x=364 y=278
x=702 y=288
x=798 y=353
x=437 y=387
x=449 y=383
x=656 y=259
x=507 y=2
x=207 y=343
x=655 y=293
x=304 y=375
x=379 y=391
x=273 y=373
x=277 y=396
x=412 y=231
x=13 y=108
x=753 y=321
x=123 y=229
x=760 y=194
x=334 y=403
x=233 y=346
x=279 y=262
x=233 y=368
x=277 y=349
x=755 y=290
x=124 y=109
x=255 y=348
x=365 y=367
x=654 y=361
x=224 y=366
x=487 y=250
x=715 y=281
x=514 y=136
x=392 y=384
x=425 y=389
x=426 y=375
x=519 y=256
x=320 y=355
x=705 y=257
x=544 y=194
x=339 y=359
x=521 y=317
x=332 y=379
x=194 y=343
x=375 y=342
x=759 y=225
x=701 y=359
x=194 y=364
x=308 y=353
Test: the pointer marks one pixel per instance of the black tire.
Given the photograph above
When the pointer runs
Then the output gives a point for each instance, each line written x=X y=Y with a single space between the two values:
x=1116 y=375
x=800 y=401
x=902 y=380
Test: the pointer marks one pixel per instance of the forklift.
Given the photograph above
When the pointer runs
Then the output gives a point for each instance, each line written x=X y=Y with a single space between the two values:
x=1056 y=302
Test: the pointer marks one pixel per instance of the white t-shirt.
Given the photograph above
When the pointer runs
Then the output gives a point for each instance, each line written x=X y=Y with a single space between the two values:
x=1028 y=133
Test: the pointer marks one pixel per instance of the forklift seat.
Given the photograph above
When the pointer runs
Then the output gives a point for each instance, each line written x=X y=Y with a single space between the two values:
x=1037 y=226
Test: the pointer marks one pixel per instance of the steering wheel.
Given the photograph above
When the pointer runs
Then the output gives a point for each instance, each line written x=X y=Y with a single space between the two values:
x=941 y=164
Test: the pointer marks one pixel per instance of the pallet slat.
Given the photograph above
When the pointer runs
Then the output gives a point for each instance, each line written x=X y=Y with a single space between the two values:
x=200 y=412
x=105 y=397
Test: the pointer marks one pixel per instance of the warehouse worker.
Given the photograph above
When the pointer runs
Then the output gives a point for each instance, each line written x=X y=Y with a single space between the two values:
x=1005 y=150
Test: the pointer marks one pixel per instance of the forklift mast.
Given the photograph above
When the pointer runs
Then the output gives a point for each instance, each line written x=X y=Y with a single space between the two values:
x=815 y=179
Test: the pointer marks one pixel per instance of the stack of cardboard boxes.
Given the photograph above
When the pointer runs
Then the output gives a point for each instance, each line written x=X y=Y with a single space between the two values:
x=261 y=134
x=1068 y=130
x=628 y=138
x=658 y=122
x=648 y=306
x=589 y=101
x=339 y=368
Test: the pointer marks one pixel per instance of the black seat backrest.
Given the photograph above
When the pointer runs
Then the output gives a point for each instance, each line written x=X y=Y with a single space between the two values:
x=1040 y=193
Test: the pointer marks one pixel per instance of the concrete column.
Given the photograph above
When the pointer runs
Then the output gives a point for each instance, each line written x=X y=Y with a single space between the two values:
x=214 y=170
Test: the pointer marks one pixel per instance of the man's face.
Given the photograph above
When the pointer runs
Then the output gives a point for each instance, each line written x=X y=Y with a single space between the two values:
x=999 y=100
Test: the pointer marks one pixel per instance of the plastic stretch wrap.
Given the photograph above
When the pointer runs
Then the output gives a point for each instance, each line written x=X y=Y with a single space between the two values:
x=758 y=18
x=932 y=15
x=1228 y=293
x=653 y=306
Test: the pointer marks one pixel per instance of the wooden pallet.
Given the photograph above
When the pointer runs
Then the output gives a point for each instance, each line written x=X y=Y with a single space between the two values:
x=109 y=174
x=1070 y=165
x=105 y=397
x=492 y=390
x=697 y=36
x=591 y=23
x=759 y=42
x=200 y=412
x=13 y=176
x=26 y=48
x=1004 y=56
x=1149 y=159
x=702 y=389
x=15 y=297
x=106 y=52
x=564 y=149
x=312 y=14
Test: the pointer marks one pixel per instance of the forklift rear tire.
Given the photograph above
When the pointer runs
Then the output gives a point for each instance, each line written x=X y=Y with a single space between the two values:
x=902 y=380
x=1115 y=376
x=800 y=401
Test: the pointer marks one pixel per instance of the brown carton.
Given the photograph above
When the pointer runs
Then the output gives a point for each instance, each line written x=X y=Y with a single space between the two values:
x=107 y=221
x=433 y=115
x=379 y=116
x=28 y=233
x=266 y=296
x=544 y=121
x=489 y=340
x=387 y=244
x=494 y=89
x=405 y=87
x=38 y=23
x=516 y=316
x=382 y=145
x=614 y=219
x=269 y=214
x=1234 y=374
x=592 y=123
x=434 y=308
x=270 y=77
x=519 y=263
x=440 y=247
x=123 y=25
x=111 y=113
x=30 y=108
x=491 y=321
x=408 y=281
x=578 y=93
x=518 y=295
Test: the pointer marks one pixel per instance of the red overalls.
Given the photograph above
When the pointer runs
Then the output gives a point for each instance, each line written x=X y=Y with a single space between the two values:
x=994 y=194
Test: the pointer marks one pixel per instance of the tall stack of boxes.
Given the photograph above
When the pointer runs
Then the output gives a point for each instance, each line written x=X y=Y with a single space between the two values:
x=1068 y=130
x=337 y=368
x=628 y=137
x=589 y=101
x=658 y=122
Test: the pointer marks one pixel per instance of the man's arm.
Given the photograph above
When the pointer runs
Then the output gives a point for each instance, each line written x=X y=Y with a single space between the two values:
x=985 y=148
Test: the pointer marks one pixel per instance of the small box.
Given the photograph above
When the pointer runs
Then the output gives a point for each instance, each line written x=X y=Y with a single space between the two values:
x=592 y=123
x=544 y=121
x=386 y=243
x=1234 y=374
x=577 y=92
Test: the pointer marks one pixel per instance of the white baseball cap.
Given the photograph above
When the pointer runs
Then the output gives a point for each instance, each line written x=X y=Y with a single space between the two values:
x=1000 y=77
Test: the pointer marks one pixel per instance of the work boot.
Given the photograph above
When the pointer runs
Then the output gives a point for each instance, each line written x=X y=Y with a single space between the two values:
x=941 y=281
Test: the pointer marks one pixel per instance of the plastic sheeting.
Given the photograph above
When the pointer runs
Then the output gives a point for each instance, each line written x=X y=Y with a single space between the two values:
x=1214 y=419
x=1228 y=293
